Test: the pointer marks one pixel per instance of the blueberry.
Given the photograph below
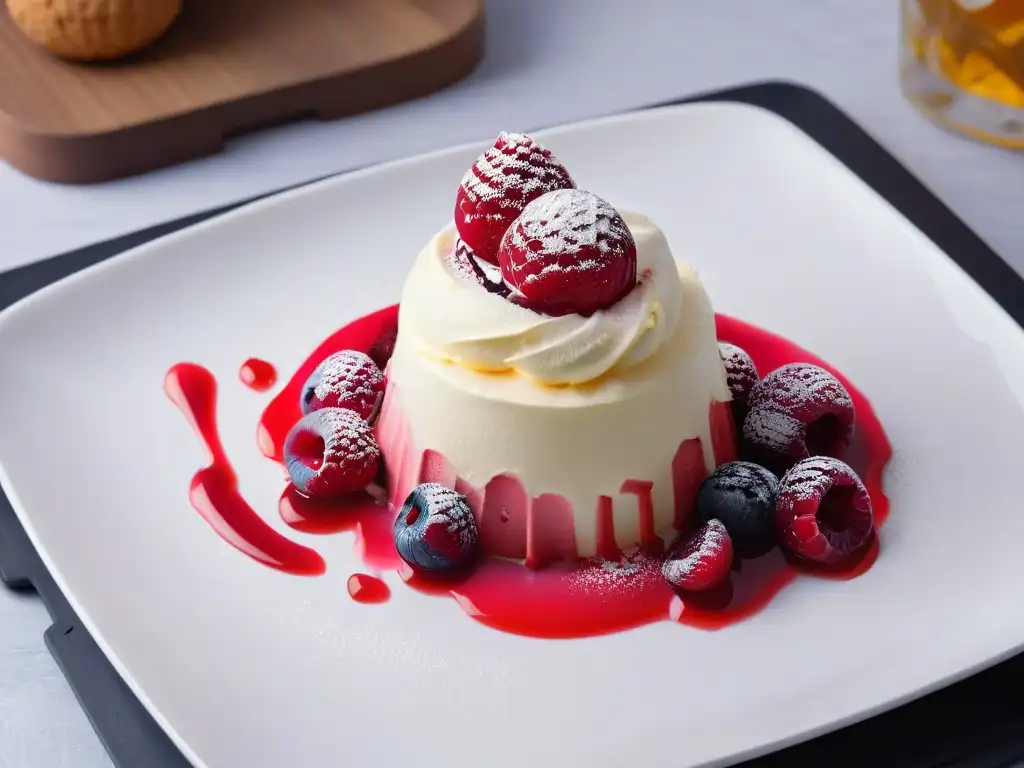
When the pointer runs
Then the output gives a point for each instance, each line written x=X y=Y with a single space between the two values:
x=742 y=495
x=435 y=529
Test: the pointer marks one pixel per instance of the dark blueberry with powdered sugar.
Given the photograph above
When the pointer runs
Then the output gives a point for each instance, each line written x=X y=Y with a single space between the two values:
x=742 y=495
x=435 y=529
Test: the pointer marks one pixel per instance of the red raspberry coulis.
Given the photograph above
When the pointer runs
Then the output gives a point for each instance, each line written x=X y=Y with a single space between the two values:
x=592 y=597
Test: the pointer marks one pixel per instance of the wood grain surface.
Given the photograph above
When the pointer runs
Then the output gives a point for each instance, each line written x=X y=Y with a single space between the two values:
x=226 y=67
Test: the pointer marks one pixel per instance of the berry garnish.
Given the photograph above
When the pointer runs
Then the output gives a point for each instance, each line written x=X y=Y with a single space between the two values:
x=569 y=252
x=346 y=379
x=741 y=375
x=798 y=411
x=823 y=512
x=465 y=264
x=501 y=183
x=700 y=561
x=435 y=529
x=461 y=262
x=331 y=451
x=382 y=349
x=742 y=496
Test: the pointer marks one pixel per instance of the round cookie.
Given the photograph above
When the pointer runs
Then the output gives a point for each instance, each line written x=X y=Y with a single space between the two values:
x=93 y=30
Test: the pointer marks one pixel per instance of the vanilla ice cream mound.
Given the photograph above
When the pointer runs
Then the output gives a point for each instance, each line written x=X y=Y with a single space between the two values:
x=571 y=436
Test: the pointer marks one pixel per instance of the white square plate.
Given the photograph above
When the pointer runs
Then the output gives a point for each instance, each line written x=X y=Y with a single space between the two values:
x=246 y=666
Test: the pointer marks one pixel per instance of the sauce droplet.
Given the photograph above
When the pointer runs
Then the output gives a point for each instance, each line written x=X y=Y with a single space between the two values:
x=367 y=589
x=258 y=375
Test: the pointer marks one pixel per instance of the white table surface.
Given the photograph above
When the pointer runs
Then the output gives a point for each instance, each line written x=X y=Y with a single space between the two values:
x=548 y=62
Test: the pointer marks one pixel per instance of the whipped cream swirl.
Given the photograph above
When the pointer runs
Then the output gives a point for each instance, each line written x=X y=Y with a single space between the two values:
x=451 y=316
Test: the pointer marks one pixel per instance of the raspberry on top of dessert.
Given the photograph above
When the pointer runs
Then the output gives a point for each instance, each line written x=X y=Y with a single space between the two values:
x=569 y=322
x=569 y=252
x=499 y=185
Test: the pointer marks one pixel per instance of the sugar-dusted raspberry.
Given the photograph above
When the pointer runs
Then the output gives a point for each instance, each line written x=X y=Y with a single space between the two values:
x=501 y=183
x=569 y=252
x=701 y=560
x=797 y=411
x=346 y=379
x=823 y=511
x=740 y=372
x=331 y=451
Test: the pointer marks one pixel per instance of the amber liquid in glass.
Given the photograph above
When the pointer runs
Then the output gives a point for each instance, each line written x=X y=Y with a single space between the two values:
x=963 y=65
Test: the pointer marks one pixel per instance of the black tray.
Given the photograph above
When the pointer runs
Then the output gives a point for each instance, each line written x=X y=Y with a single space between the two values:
x=978 y=723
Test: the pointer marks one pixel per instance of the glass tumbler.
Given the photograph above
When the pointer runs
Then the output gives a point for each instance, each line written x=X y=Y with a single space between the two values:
x=962 y=65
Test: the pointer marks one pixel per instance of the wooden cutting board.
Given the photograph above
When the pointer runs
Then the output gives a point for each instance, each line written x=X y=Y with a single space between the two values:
x=226 y=67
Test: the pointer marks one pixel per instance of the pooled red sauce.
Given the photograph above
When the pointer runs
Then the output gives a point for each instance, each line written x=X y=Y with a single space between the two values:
x=214 y=490
x=592 y=597
x=283 y=411
x=372 y=524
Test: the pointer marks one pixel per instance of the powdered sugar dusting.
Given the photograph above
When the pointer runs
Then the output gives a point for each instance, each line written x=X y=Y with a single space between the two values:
x=633 y=570
x=801 y=387
x=786 y=402
x=740 y=371
x=746 y=477
x=516 y=168
x=449 y=509
x=348 y=439
x=771 y=429
x=346 y=379
x=567 y=222
x=458 y=261
x=812 y=478
x=345 y=460
x=814 y=521
x=466 y=265
x=695 y=554
x=569 y=252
